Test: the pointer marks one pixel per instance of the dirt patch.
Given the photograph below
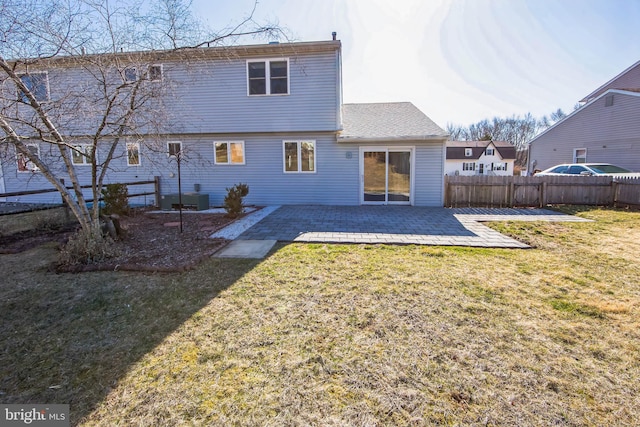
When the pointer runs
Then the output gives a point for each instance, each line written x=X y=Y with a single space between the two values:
x=151 y=241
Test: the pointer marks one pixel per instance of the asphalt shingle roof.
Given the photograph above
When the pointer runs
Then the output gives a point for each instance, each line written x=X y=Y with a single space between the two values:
x=387 y=121
x=455 y=149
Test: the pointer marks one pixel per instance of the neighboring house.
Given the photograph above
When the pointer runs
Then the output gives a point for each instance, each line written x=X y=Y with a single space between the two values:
x=480 y=158
x=606 y=129
x=272 y=116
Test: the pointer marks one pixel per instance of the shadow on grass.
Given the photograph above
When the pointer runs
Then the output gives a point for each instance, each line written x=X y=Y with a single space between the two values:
x=69 y=338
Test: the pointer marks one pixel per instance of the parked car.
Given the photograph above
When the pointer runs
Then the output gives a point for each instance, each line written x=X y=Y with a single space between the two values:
x=589 y=169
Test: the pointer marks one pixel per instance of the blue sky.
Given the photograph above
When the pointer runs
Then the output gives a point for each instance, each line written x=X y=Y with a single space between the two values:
x=461 y=61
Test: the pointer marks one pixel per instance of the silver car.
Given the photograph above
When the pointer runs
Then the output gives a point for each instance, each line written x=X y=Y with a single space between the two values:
x=589 y=169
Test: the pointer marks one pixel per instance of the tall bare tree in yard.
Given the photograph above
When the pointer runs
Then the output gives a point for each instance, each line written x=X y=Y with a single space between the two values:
x=78 y=78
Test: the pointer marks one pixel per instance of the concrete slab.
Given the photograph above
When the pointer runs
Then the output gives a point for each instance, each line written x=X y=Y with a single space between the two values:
x=246 y=249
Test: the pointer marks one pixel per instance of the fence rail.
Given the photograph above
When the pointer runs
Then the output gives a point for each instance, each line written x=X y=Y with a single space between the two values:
x=523 y=191
x=155 y=192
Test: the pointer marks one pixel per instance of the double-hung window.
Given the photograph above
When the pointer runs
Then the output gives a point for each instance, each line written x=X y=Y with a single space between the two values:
x=38 y=85
x=81 y=154
x=174 y=148
x=229 y=152
x=489 y=152
x=579 y=155
x=268 y=77
x=299 y=156
x=466 y=166
x=133 y=153
x=26 y=165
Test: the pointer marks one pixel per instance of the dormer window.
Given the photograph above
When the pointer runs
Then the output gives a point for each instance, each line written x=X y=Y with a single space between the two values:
x=468 y=152
x=268 y=77
x=489 y=151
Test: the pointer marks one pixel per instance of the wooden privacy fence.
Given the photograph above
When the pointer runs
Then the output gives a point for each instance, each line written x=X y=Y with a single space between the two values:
x=521 y=191
x=155 y=192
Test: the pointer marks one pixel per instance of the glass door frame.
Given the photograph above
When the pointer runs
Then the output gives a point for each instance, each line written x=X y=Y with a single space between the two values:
x=387 y=149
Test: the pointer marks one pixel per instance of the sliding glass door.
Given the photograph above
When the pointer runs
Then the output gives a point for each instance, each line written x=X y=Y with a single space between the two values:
x=386 y=175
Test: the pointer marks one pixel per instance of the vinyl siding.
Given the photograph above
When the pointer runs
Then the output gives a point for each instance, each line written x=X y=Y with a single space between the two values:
x=211 y=97
x=429 y=170
x=335 y=181
x=610 y=134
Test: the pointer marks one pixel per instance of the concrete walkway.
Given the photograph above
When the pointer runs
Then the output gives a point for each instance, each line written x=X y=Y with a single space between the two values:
x=394 y=225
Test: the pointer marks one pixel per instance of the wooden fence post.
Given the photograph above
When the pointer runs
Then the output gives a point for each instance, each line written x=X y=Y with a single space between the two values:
x=614 y=192
x=156 y=190
x=543 y=194
x=512 y=193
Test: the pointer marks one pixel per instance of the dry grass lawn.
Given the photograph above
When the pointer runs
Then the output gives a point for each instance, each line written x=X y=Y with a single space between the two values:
x=341 y=335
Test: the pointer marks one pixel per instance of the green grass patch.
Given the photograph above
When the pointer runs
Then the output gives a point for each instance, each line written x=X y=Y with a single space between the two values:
x=339 y=334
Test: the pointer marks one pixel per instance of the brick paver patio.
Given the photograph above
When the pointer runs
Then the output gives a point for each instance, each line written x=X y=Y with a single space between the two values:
x=394 y=225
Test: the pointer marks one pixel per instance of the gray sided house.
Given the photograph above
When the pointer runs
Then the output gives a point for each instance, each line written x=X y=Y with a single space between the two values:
x=271 y=116
x=605 y=129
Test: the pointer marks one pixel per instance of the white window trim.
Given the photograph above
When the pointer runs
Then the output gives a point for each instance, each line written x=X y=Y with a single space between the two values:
x=299 y=148
x=229 y=162
x=83 y=148
x=468 y=152
x=169 y=144
x=137 y=144
x=33 y=167
x=267 y=73
x=575 y=152
x=468 y=166
x=48 y=93
x=493 y=152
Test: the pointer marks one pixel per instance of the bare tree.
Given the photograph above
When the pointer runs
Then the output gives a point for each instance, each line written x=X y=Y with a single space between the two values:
x=96 y=90
x=516 y=130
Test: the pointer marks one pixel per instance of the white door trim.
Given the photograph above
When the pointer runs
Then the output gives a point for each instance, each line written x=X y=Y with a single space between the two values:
x=386 y=149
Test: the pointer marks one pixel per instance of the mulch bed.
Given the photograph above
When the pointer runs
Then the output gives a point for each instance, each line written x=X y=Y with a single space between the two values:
x=151 y=242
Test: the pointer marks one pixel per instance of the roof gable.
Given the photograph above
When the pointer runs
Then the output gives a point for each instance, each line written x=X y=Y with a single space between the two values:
x=629 y=80
x=579 y=110
x=399 y=121
x=456 y=150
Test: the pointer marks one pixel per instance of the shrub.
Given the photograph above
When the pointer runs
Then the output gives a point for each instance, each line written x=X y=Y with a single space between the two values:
x=116 y=199
x=86 y=248
x=233 y=199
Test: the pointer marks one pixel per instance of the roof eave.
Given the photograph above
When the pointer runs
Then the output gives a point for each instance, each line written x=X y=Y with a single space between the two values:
x=393 y=138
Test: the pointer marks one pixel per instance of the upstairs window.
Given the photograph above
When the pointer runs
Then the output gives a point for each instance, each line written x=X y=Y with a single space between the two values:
x=133 y=153
x=489 y=152
x=81 y=154
x=38 y=85
x=130 y=74
x=174 y=148
x=229 y=153
x=269 y=77
x=154 y=73
x=468 y=152
x=26 y=165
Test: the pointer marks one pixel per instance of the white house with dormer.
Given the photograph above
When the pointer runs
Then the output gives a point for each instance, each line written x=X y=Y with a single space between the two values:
x=469 y=158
